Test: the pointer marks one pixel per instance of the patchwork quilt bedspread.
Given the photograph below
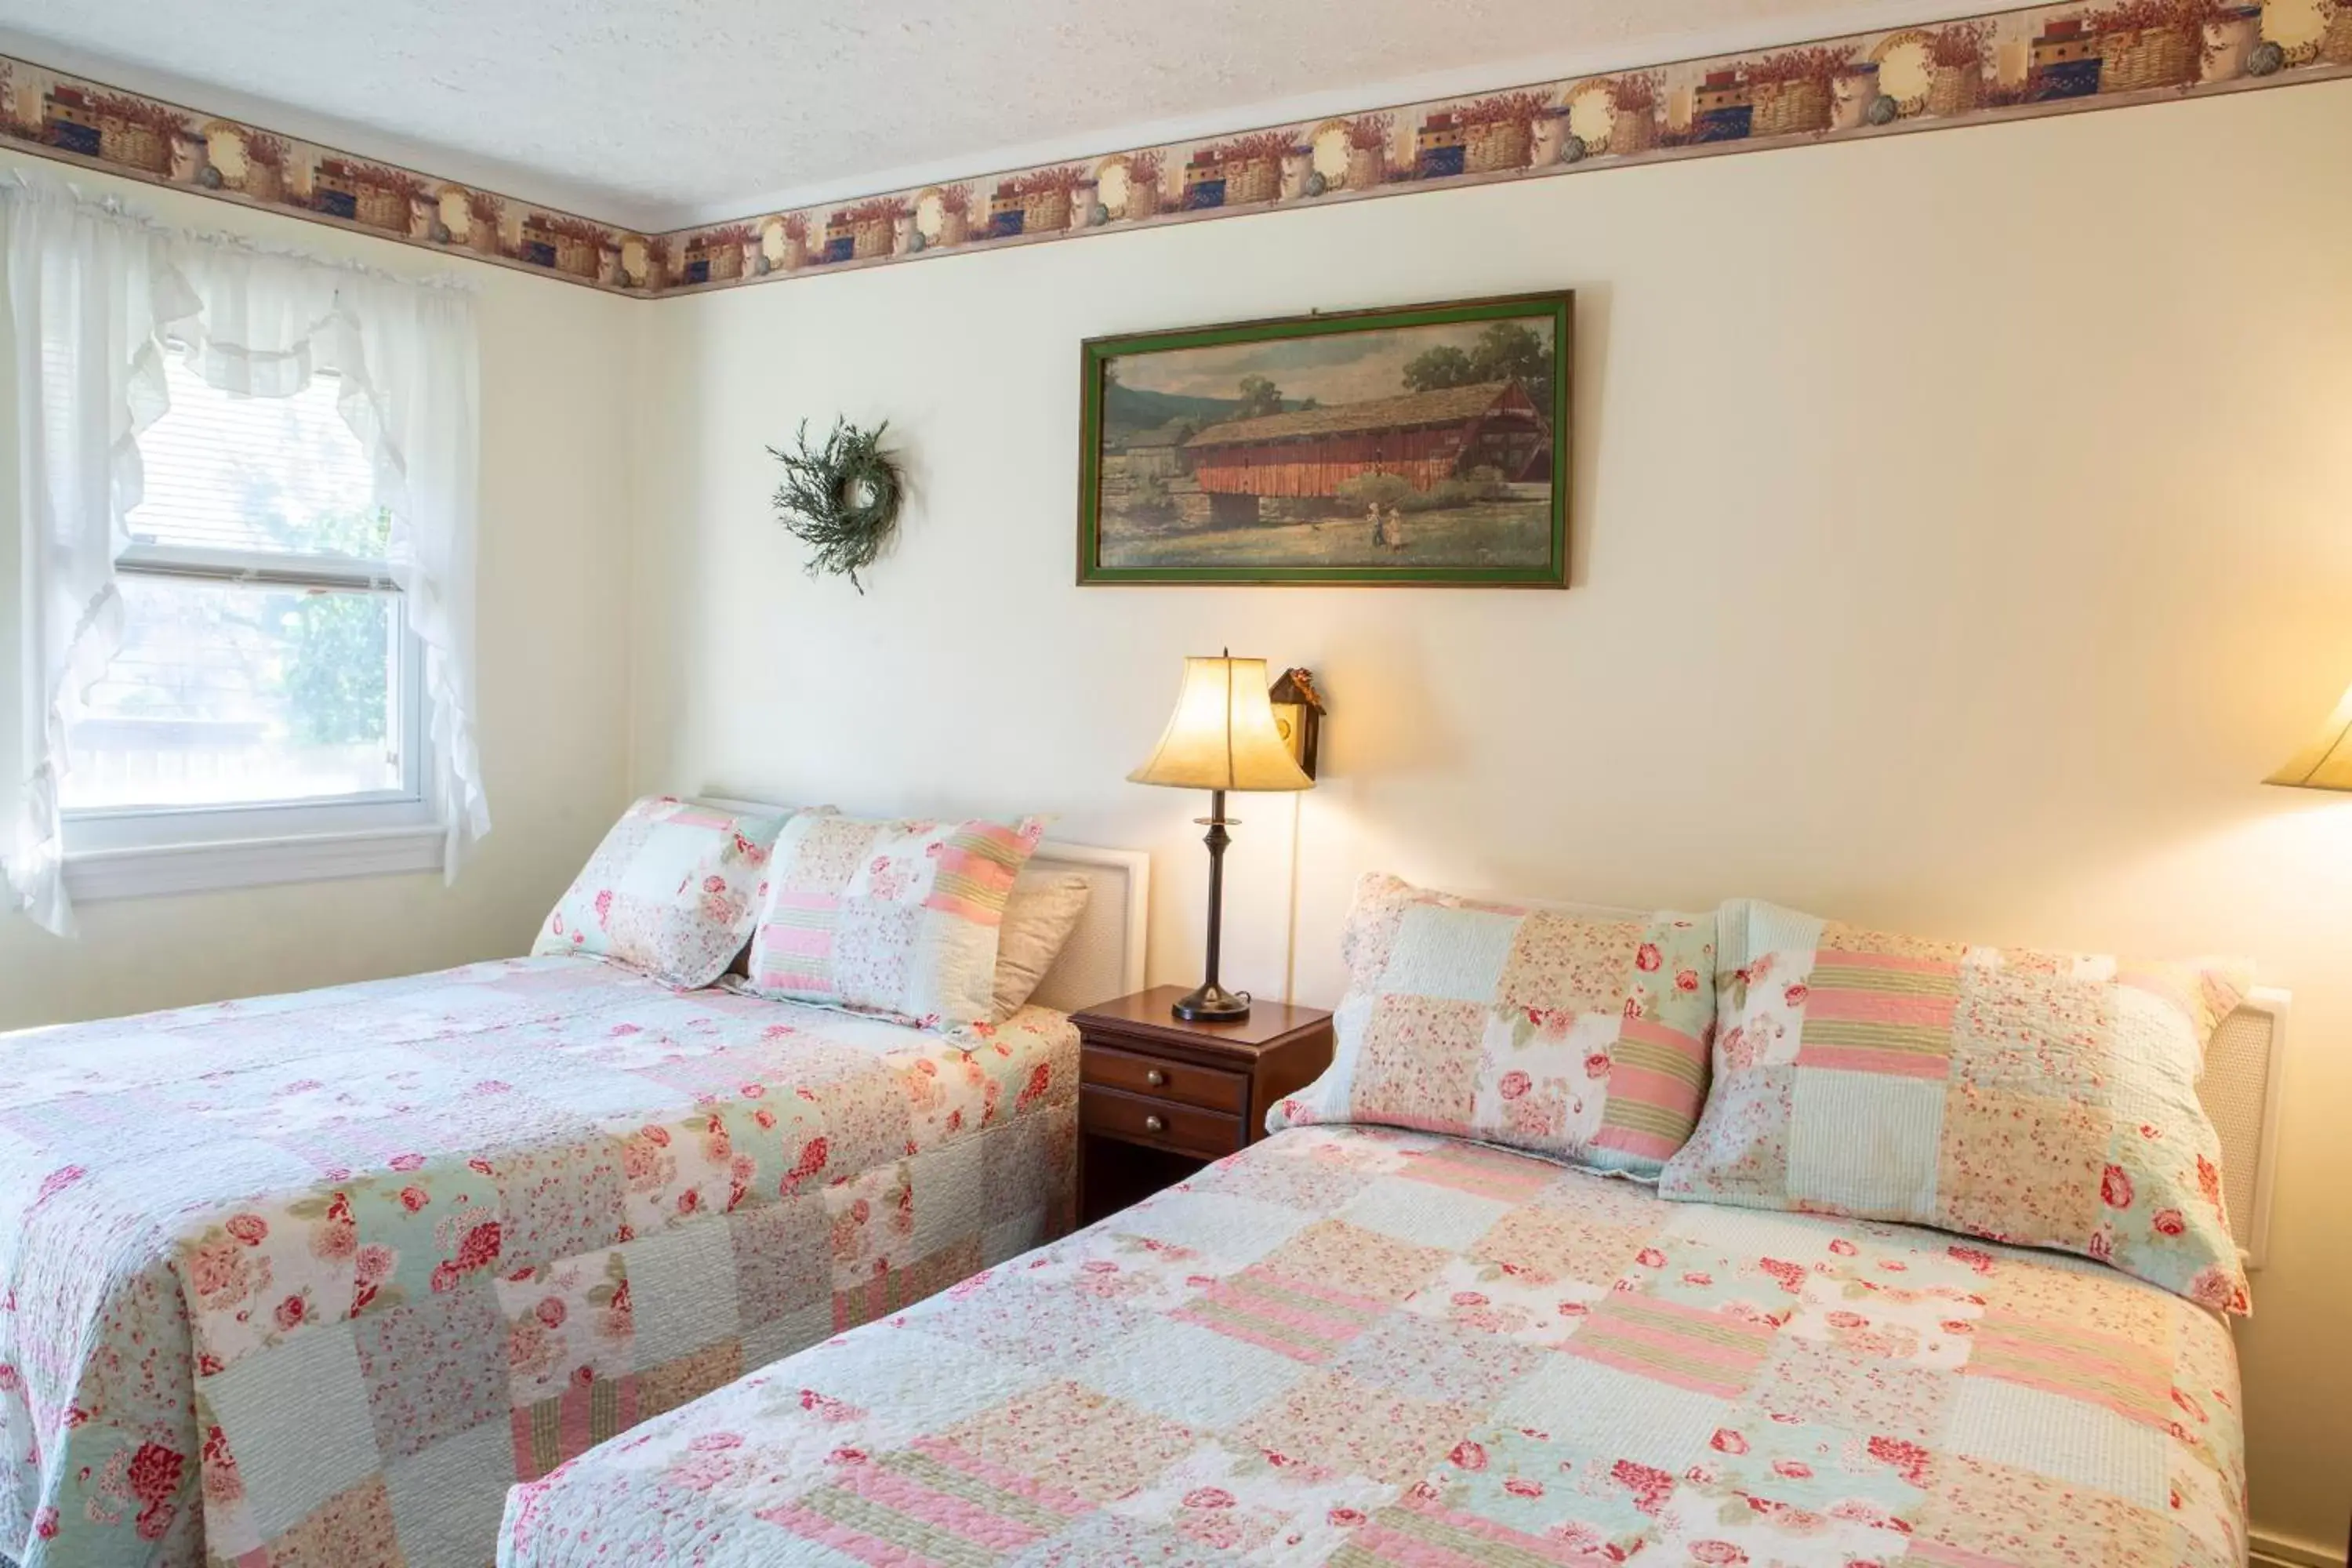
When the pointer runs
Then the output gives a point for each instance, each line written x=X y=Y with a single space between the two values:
x=313 y=1279
x=1354 y=1347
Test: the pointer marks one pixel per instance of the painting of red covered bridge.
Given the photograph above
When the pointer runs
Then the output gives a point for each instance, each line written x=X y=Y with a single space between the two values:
x=1423 y=445
x=1423 y=439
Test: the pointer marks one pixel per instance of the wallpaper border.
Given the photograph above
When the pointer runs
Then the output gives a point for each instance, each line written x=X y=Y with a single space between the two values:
x=1991 y=69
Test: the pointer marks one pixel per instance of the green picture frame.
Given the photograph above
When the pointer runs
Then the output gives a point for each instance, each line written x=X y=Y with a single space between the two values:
x=1414 y=445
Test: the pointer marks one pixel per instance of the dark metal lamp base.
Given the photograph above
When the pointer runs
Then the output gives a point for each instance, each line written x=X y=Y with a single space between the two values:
x=1212 y=1004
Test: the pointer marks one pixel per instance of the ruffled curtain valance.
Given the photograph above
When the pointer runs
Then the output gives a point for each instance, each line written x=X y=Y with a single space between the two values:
x=99 y=297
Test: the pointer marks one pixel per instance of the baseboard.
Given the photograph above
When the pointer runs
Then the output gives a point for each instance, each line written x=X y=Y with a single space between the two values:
x=2284 y=1551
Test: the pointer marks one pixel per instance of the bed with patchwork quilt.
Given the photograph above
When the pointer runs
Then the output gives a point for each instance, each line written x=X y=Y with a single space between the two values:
x=1354 y=1346
x=313 y=1279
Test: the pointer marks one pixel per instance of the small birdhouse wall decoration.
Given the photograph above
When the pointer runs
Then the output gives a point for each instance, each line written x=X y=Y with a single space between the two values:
x=1298 y=715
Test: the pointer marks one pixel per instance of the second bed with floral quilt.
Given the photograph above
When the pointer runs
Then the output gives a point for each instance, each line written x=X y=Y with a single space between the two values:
x=1356 y=1346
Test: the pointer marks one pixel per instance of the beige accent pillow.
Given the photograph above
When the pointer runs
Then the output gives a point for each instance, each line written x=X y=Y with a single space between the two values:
x=1043 y=912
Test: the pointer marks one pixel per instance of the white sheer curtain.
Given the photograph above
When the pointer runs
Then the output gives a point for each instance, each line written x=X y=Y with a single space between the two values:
x=98 y=297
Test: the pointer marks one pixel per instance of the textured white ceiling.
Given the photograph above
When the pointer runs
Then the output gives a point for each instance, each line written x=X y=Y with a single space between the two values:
x=669 y=111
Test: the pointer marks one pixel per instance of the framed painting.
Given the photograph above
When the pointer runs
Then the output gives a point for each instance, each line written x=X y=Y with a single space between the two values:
x=1419 y=445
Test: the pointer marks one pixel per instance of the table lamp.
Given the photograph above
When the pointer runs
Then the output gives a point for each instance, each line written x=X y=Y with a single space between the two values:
x=2325 y=762
x=1222 y=737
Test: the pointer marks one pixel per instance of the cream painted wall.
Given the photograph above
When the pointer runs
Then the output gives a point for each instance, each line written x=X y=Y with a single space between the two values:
x=552 y=681
x=1960 y=530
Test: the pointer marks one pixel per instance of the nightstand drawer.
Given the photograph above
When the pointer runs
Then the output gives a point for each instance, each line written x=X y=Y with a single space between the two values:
x=1160 y=1123
x=1158 y=1096
x=1207 y=1087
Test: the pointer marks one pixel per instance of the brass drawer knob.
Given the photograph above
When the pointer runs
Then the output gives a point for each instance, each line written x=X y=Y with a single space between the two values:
x=1154 y=1076
x=1154 y=1124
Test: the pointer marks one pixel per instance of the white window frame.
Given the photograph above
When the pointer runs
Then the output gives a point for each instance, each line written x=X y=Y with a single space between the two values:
x=119 y=852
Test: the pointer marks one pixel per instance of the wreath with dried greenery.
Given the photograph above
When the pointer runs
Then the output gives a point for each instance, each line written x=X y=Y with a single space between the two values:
x=840 y=498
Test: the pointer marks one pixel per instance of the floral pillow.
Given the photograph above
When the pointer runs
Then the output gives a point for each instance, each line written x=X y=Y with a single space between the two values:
x=896 y=918
x=2040 y=1099
x=1580 y=1038
x=671 y=891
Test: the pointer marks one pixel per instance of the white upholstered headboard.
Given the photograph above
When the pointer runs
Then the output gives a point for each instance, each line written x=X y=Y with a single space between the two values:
x=2240 y=1091
x=2243 y=1092
x=1103 y=957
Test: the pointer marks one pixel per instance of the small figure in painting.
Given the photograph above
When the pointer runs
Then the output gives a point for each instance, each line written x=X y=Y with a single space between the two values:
x=1392 y=530
x=1379 y=531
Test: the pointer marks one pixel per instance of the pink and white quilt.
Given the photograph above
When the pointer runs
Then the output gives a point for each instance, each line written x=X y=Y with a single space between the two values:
x=313 y=1279
x=1354 y=1347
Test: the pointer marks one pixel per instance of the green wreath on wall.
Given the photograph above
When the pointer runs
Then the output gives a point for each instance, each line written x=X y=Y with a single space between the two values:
x=841 y=499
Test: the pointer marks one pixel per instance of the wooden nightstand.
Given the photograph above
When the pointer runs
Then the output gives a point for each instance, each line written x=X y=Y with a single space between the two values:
x=1159 y=1098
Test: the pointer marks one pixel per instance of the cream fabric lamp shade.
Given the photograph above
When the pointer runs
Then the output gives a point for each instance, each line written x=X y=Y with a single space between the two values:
x=1222 y=737
x=2325 y=760
x=1222 y=734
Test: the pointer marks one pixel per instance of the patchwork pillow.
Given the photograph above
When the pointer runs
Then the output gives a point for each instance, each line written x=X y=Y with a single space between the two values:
x=895 y=918
x=671 y=891
x=2040 y=1099
x=1580 y=1038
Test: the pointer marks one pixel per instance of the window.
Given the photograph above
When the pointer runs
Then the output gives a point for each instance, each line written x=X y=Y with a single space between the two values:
x=269 y=705
x=267 y=684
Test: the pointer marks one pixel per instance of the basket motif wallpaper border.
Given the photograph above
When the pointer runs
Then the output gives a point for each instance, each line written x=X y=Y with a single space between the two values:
x=1985 y=69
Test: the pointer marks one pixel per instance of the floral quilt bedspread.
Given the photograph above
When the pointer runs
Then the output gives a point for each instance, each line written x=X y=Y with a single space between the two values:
x=313 y=1279
x=1353 y=1347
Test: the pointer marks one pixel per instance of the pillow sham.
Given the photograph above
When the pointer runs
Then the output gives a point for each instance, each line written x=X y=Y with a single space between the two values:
x=1579 y=1039
x=671 y=891
x=2039 y=1098
x=895 y=918
x=1045 y=908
